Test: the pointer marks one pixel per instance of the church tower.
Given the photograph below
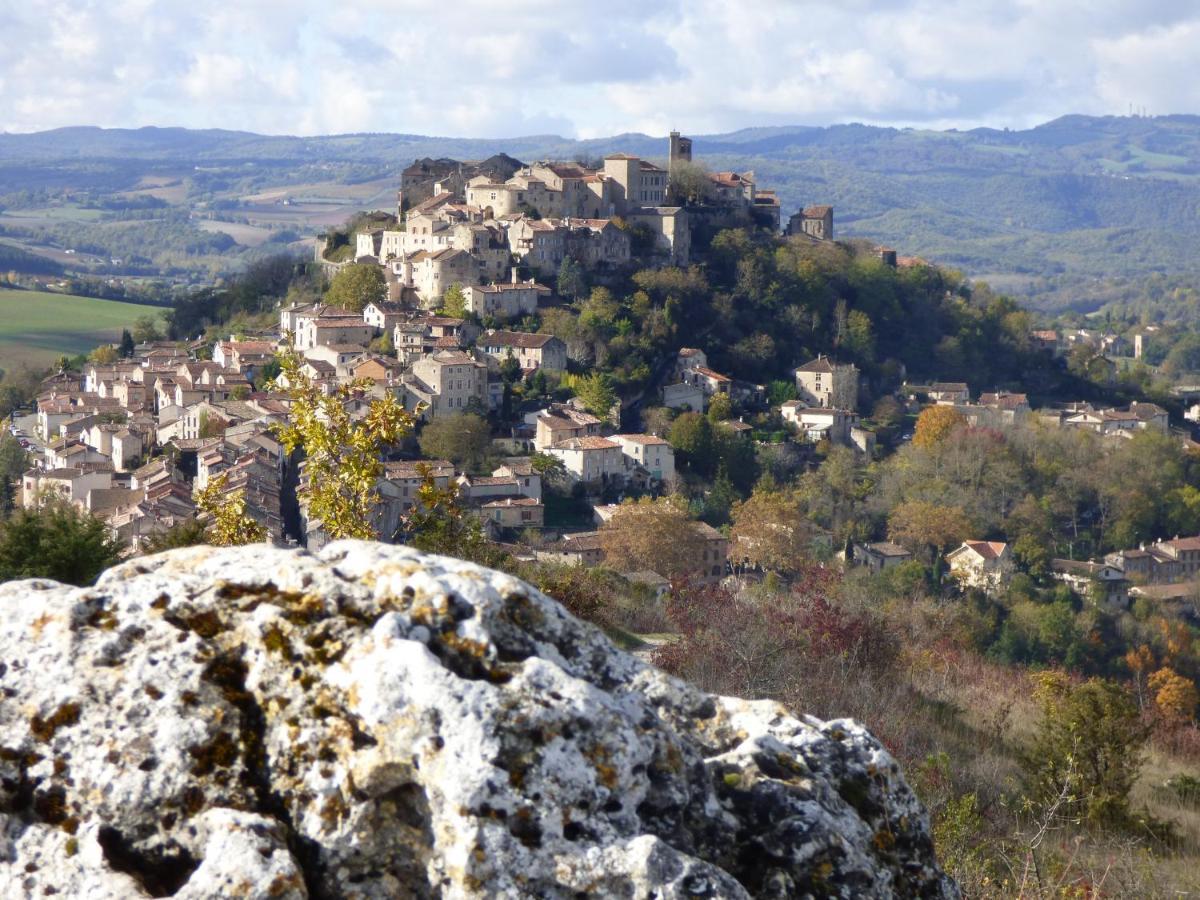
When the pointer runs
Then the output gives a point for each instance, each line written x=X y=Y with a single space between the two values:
x=680 y=150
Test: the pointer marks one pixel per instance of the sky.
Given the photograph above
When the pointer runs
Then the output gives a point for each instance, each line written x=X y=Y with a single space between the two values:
x=478 y=68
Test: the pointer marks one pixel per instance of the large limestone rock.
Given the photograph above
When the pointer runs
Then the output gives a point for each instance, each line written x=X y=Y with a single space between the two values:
x=372 y=722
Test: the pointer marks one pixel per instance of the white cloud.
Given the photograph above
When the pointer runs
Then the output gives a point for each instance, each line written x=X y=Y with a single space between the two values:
x=479 y=68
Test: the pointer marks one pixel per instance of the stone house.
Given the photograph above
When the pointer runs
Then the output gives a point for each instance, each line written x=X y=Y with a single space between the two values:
x=446 y=384
x=539 y=244
x=384 y=315
x=707 y=380
x=71 y=483
x=510 y=300
x=879 y=556
x=816 y=424
x=822 y=382
x=597 y=243
x=431 y=273
x=330 y=325
x=583 y=193
x=634 y=182
x=532 y=351
x=813 y=221
x=560 y=423
x=649 y=452
x=1082 y=577
x=580 y=548
x=671 y=229
x=982 y=564
x=949 y=393
x=520 y=469
x=242 y=355
x=592 y=460
x=683 y=396
x=513 y=512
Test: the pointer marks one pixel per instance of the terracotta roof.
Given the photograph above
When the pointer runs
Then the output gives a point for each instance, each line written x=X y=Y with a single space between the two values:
x=1187 y=543
x=987 y=549
x=820 y=364
x=512 y=501
x=817 y=211
x=710 y=373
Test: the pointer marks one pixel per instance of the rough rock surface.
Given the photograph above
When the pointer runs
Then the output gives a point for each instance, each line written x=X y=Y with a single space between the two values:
x=374 y=722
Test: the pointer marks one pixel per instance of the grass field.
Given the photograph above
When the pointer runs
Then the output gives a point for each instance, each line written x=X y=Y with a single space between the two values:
x=37 y=327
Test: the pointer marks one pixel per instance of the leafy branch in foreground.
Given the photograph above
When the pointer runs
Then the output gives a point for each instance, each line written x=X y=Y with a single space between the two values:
x=230 y=525
x=342 y=454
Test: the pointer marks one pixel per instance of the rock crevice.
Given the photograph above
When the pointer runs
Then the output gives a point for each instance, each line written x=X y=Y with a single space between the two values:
x=373 y=722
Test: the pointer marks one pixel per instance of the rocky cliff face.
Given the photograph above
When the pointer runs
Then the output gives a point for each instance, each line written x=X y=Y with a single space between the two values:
x=373 y=722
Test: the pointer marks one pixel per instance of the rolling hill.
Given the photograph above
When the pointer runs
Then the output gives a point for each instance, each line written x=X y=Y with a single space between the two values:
x=1050 y=213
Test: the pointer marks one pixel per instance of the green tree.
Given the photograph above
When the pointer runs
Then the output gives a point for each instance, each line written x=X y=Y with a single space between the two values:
x=720 y=408
x=1086 y=752
x=689 y=184
x=145 y=329
x=127 y=345
x=104 y=355
x=597 y=394
x=438 y=523
x=454 y=302
x=572 y=282
x=356 y=285
x=56 y=540
x=780 y=392
x=383 y=344
x=187 y=533
x=692 y=435
x=551 y=468
x=14 y=460
x=463 y=439
x=510 y=368
x=342 y=453
x=720 y=499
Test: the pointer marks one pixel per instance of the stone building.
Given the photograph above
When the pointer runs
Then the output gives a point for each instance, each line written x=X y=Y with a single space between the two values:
x=814 y=221
x=822 y=382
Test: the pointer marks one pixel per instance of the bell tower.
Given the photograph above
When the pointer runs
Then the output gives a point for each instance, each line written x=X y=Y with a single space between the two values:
x=679 y=150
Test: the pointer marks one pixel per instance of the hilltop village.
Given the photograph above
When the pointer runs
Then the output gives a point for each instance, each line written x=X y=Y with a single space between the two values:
x=473 y=251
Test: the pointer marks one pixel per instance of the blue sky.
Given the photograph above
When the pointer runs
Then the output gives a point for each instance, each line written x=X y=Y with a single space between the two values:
x=478 y=68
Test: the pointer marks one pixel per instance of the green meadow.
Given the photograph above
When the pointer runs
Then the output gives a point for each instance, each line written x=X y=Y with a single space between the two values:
x=36 y=327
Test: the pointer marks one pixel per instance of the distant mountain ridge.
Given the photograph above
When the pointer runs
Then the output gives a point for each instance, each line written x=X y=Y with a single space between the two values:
x=1043 y=211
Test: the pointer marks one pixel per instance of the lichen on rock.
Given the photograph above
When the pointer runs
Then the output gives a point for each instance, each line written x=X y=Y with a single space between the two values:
x=374 y=722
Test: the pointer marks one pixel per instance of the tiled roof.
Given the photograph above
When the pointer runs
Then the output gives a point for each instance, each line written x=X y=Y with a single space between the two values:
x=586 y=443
x=987 y=549
x=820 y=364
x=641 y=439
x=515 y=339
